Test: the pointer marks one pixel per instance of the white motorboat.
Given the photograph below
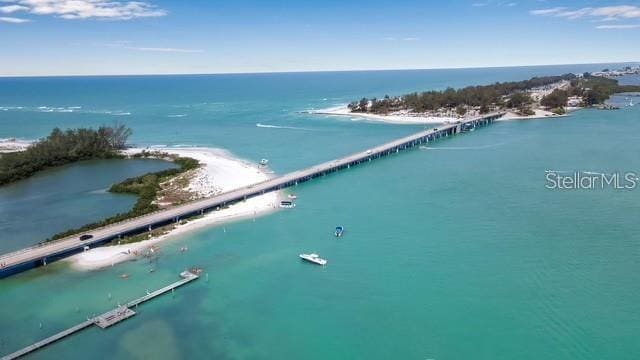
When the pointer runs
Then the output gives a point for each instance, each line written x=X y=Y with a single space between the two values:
x=287 y=204
x=313 y=258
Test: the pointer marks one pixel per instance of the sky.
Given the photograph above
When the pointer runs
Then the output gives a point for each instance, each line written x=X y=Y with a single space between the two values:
x=109 y=37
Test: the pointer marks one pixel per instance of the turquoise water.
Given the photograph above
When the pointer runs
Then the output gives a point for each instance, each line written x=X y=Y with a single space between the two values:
x=66 y=197
x=452 y=252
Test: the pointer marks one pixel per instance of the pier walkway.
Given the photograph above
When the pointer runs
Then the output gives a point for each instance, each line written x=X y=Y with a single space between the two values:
x=39 y=255
x=105 y=320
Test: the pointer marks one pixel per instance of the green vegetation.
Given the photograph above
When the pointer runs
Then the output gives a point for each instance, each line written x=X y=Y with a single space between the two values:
x=511 y=95
x=557 y=99
x=521 y=101
x=595 y=90
x=146 y=187
x=63 y=147
x=483 y=97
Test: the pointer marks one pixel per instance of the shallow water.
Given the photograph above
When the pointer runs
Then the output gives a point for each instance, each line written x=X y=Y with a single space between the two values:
x=66 y=197
x=449 y=253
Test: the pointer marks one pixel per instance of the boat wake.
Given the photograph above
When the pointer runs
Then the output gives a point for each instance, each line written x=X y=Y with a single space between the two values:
x=281 y=127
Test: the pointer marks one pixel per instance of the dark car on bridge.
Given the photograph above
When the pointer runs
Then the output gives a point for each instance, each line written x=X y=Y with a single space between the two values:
x=85 y=237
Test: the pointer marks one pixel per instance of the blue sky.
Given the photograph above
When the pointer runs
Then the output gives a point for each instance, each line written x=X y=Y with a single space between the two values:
x=62 y=37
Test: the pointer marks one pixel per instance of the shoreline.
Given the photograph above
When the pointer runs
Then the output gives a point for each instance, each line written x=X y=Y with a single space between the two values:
x=12 y=145
x=220 y=172
x=418 y=119
x=398 y=119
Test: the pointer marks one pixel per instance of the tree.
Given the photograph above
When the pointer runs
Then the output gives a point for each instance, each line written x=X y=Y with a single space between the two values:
x=557 y=99
x=63 y=147
x=519 y=100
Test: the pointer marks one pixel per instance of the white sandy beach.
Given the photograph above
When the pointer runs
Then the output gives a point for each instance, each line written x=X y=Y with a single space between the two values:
x=14 y=145
x=539 y=114
x=417 y=119
x=221 y=172
x=400 y=118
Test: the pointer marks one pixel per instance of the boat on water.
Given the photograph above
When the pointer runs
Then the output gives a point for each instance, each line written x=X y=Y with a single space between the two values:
x=313 y=258
x=339 y=231
x=287 y=204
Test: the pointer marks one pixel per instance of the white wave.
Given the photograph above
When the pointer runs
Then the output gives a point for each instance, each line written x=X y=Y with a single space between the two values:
x=177 y=115
x=121 y=114
x=99 y=191
x=7 y=108
x=281 y=127
x=50 y=109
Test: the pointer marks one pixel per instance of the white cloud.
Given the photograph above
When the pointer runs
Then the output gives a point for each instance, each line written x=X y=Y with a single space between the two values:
x=602 y=13
x=551 y=11
x=87 y=9
x=12 y=8
x=13 y=20
x=613 y=27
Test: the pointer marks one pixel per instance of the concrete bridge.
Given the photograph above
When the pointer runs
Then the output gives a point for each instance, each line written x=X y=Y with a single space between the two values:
x=44 y=253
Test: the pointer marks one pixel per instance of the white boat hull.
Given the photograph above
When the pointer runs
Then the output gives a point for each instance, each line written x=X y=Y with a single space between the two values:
x=313 y=259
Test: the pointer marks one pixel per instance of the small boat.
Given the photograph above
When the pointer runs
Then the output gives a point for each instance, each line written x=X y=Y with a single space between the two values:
x=313 y=258
x=264 y=162
x=339 y=231
x=292 y=196
x=287 y=204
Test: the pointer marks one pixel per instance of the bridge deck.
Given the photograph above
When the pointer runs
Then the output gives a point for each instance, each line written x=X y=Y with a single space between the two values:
x=39 y=255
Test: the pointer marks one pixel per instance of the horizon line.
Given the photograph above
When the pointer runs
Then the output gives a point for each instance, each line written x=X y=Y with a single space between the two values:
x=309 y=71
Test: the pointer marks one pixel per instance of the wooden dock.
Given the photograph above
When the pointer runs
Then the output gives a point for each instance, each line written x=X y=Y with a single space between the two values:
x=105 y=320
x=44 y=253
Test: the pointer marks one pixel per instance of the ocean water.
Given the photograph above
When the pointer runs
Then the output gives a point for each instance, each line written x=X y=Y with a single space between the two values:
x=453 y=251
